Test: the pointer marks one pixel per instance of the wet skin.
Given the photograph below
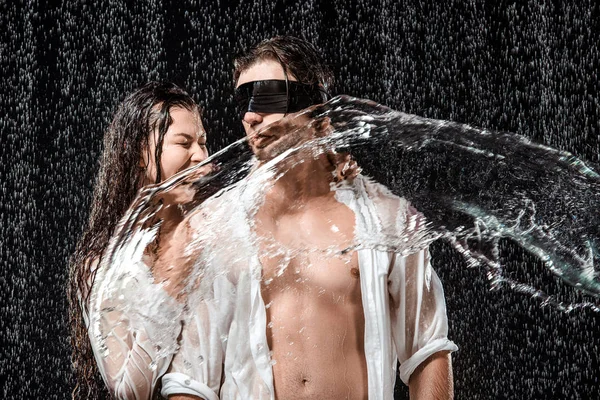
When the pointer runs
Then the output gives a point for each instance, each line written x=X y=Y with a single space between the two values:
x=315 y=320
x=184 y=146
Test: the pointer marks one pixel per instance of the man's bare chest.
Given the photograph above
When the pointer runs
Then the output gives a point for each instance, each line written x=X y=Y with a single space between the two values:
x=309 y=250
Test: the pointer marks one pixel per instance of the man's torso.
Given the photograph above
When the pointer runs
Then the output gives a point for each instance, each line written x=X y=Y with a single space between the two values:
x=311 y=288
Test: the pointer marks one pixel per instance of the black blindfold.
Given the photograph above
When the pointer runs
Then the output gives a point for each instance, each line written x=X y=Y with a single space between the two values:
x=277 y=96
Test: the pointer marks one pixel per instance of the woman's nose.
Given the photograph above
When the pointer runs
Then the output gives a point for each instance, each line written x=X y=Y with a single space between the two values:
x=199 y=153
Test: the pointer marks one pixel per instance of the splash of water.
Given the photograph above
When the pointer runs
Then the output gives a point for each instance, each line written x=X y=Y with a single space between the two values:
x=475 y=187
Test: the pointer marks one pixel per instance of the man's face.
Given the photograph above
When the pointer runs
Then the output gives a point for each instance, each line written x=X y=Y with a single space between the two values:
x=254 y=122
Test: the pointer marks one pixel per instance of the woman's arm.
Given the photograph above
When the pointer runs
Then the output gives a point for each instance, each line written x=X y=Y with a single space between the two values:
x=133 y=323
x=127 y=358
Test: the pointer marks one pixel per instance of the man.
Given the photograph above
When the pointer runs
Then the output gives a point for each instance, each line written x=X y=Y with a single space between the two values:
x=312 y=318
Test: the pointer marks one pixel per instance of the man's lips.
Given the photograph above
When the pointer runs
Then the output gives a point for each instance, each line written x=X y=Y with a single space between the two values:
x=261 y=140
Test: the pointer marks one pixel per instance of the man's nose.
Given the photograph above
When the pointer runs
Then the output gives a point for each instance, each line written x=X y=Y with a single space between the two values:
x=252 y=118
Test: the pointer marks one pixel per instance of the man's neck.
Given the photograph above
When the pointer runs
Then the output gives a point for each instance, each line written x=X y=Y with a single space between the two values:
x=302 y=183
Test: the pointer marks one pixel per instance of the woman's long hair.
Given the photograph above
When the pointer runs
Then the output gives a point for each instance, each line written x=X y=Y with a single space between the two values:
x=120 y=176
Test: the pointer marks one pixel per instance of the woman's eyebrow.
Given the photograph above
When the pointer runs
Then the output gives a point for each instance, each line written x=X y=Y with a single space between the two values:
x=186 y=135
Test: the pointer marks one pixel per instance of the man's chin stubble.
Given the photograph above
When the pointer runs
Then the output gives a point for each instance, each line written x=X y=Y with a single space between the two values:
x=281 y=145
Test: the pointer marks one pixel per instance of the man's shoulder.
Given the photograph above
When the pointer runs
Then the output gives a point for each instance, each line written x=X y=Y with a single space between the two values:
x=224 y=198
x=384 y=216
x=382 y=198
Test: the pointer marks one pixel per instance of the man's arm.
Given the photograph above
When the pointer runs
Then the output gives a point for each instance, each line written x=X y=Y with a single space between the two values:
x=420 y=327
x=433 y=378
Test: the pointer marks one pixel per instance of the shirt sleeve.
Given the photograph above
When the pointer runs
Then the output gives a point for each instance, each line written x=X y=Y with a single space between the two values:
x=419 y=322
x=133 y=326
x=197 y=368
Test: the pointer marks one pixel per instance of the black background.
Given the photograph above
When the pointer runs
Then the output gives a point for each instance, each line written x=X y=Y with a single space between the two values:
x=525 y=67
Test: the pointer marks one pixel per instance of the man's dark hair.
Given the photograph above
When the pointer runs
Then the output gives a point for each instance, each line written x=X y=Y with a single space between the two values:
x=298 y=57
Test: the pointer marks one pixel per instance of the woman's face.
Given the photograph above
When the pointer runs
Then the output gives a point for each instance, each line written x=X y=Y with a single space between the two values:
x=184 y=146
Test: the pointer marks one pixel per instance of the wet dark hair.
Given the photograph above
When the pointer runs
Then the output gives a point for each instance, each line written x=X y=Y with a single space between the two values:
x=297 y=56
x=120 y=176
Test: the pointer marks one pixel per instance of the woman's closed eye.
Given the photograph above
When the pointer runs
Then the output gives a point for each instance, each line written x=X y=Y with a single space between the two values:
x=186 y=144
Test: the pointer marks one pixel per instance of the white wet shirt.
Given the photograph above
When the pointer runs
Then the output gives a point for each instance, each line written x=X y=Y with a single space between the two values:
x=133 y=324
x=402 y=297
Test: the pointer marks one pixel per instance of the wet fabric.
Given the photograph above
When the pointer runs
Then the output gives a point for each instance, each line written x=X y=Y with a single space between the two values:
x=135 y=328
x=128 y=317
x=402 y=297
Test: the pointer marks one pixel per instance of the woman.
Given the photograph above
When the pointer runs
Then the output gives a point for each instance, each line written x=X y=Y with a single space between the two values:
x=156 y=132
